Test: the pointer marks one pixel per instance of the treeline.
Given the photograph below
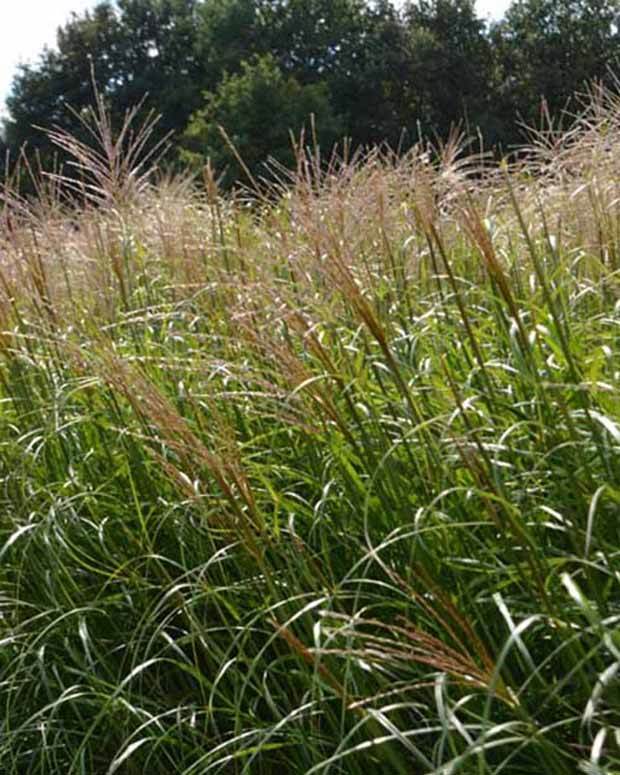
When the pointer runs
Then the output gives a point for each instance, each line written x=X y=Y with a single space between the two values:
x=373 y=72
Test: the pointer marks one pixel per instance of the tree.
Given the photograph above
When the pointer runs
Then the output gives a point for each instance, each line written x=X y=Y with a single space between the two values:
x=373 y=92
x=229 y=32
x=160 y=57
x=355 y=47
x=313 y=39
x=551 y=48
x=451 y=66
x=368 y=68
x=258 y=107
x=131 y=48
x=41 y=92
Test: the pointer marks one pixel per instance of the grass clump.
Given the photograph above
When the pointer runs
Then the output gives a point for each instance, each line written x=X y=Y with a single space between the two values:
x=317 y=480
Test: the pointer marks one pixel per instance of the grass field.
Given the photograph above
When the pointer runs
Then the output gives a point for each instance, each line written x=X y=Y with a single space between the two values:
x=324 y=480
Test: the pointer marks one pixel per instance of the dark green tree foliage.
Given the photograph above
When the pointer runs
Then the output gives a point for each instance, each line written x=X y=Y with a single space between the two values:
x=314 y=40
x=373 y=92
x=551 y=48
x=42 y=92
x=133 y=48
x=258 y=108
x=160 y=58
x=228 y=32
x=356 y=48
x=450 y=65
x=4 y=149
x=384 y=69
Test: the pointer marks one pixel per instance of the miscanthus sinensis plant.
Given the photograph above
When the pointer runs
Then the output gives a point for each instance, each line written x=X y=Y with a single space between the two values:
x=320 y=478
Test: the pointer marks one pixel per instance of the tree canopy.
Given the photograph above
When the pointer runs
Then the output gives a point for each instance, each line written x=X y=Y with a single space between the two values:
x=549 y=49
x=258 y=106
x=372 y=70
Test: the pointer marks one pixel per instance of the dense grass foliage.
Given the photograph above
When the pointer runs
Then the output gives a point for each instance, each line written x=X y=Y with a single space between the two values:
x=323 y=480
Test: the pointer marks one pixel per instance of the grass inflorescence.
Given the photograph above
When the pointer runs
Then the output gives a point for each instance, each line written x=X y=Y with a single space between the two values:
x=317 y=478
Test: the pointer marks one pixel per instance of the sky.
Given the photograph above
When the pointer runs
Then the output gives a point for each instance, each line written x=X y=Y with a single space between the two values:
x=28 y=25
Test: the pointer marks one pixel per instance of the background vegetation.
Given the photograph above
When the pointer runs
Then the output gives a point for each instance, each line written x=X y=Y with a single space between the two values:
x=374 y=72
